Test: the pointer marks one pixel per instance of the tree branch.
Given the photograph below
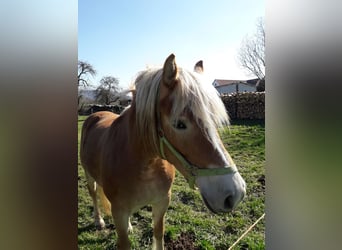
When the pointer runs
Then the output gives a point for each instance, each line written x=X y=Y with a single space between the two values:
x=252 y=52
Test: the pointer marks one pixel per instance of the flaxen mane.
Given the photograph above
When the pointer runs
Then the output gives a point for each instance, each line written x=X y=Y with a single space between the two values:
x=202 y=100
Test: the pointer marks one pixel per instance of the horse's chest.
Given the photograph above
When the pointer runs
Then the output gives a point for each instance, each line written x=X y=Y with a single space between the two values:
x=152 y=187
x=135 y=188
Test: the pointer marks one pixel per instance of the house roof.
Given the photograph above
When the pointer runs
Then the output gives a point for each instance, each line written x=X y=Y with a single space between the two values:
x=252 y=81
x=223 y=82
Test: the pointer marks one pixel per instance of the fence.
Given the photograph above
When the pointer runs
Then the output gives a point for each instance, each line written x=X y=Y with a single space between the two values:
x=92 y=108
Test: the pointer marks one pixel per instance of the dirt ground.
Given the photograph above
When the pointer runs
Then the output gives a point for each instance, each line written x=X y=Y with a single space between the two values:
x=184 y=241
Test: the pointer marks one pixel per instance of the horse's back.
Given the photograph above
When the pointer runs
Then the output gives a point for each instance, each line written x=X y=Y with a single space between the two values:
x=93 y=130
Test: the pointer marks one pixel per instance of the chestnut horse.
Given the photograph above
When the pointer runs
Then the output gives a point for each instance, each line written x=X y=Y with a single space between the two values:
x=130 y=159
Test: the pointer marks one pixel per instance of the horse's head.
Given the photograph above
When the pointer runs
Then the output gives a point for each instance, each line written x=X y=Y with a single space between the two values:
x=189 y=113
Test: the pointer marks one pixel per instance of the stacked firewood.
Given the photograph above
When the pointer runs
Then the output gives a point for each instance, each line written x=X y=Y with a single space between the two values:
x=246 y=105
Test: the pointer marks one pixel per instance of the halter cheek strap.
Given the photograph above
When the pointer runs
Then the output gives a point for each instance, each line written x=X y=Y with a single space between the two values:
x=192 y=171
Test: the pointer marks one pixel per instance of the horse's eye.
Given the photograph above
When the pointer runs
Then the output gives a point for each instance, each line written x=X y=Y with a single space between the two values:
x=179 y=124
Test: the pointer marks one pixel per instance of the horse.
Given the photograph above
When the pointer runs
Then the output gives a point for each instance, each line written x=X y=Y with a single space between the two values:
x=130 y=159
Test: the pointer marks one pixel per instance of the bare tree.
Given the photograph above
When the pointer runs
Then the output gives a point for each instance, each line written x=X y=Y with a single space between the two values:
x=107 y=92
x=251 y=55
x=85 y=69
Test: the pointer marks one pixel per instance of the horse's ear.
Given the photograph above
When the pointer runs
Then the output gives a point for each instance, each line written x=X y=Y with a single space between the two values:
x=170 y=71
x=199 y=67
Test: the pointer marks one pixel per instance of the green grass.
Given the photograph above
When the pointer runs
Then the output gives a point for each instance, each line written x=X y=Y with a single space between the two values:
x=189 y=224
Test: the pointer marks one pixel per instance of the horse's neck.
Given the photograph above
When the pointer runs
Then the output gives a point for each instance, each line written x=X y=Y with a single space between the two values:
x=129 y=138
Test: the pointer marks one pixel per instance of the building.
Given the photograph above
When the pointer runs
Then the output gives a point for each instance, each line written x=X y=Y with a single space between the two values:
x=235 y=86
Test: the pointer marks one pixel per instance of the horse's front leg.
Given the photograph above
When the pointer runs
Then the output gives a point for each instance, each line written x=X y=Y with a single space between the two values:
x=158 y=213
x=122 y=225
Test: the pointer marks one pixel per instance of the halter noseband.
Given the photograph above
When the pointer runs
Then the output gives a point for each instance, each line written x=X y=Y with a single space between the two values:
x=191 y=170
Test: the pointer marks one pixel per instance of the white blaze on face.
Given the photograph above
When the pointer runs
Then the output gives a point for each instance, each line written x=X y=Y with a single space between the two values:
x=222 y=193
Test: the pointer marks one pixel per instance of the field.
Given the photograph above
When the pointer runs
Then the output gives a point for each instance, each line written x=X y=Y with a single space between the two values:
x=189 y=224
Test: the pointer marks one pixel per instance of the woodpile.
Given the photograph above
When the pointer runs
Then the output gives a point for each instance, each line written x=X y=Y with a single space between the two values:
x=246 y=105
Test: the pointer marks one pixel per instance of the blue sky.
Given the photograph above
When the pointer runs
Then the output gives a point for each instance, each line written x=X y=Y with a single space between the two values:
x=121 y=38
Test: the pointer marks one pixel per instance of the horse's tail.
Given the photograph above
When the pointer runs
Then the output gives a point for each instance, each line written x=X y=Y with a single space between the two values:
x=105 y=203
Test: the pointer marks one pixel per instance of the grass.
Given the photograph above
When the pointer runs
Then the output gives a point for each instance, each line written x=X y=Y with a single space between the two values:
x=189 y=224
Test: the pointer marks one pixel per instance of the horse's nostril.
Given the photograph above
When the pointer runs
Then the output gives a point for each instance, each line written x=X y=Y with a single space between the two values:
x=228 y=202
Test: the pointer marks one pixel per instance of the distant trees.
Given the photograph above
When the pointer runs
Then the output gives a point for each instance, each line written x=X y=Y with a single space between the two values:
x=251 y=55
x=84 y=70
x=107 y=92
